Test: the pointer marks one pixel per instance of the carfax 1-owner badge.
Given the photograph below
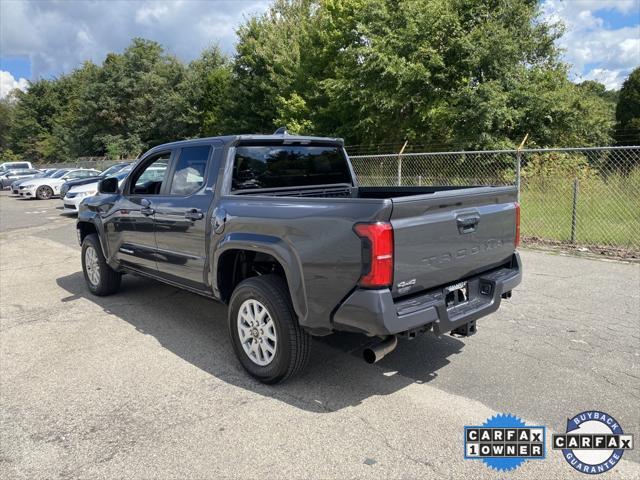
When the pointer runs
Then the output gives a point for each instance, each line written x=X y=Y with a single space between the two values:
x=593 y=443
x=504 y=442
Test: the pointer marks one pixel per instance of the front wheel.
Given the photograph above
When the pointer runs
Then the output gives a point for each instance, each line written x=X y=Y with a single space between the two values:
x=44 y=192
x=264 y=330
x=100 y=277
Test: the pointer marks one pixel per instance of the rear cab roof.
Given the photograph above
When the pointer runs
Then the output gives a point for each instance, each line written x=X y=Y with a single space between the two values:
x=232 y=140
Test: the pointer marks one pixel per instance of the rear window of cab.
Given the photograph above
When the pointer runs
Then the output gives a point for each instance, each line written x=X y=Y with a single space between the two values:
x=279 y=166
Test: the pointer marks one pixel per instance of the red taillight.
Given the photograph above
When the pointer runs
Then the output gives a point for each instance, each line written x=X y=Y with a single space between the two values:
x=377 y=254
x=517 y=224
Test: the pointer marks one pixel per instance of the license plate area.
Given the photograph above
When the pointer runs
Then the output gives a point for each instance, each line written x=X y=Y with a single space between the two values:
x=456 y=294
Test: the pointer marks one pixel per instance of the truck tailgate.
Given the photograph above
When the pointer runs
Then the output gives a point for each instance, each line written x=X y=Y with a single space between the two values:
x=443 y=237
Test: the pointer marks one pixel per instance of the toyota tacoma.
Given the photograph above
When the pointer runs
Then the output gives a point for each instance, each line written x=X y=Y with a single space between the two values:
x=277 y=227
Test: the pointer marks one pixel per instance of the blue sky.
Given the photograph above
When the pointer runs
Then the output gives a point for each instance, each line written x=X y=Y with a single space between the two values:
x=43 y=39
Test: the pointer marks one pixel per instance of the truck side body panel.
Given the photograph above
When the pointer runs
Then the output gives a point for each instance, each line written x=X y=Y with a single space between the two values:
x=319 y=235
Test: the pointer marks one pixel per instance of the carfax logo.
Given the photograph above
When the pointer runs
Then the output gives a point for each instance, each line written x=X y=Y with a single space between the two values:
x=594 y=442
x=504 y=442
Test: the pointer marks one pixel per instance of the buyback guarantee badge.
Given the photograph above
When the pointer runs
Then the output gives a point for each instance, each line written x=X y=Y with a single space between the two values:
x=504 y=442
x=594 y=442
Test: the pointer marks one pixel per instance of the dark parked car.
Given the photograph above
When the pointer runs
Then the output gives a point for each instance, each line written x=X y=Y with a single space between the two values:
x=276 y=227
x=11 y=176
x=66 y=186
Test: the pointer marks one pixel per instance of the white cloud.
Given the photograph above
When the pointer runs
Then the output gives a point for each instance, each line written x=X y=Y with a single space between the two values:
x=8 y=83
x=59 y=36
x=611 y=79
x=595 y=51
x=152 y=14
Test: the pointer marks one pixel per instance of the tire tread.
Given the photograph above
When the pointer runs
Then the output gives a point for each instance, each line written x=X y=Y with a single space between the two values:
x=109 y=278
x=299 y=340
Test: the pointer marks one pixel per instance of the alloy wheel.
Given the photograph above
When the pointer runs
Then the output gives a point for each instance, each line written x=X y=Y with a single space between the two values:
x=257 y=332
x=92 y=266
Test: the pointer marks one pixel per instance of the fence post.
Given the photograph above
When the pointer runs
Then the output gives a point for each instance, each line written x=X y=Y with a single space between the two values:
x=518 y=166
x=574 y=209
x=400 y=163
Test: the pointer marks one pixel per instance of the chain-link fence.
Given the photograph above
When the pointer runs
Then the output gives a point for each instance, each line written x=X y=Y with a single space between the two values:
x=98 y=163
x=583 y=197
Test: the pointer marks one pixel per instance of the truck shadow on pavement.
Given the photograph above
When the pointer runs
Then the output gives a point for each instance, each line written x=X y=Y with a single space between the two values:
x=195 y=329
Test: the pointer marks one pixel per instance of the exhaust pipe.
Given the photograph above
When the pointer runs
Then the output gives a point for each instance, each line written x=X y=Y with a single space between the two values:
x=377 y=352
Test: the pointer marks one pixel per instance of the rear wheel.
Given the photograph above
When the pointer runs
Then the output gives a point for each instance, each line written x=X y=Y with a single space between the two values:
x=264 y=330
x=44 y=192
x=100 y=277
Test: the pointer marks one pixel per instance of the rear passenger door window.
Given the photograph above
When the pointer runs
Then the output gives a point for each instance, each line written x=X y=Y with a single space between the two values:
x=189 y=173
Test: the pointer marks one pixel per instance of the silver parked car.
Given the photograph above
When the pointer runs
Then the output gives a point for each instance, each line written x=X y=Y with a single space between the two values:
x=15 y=186
x=7 y=178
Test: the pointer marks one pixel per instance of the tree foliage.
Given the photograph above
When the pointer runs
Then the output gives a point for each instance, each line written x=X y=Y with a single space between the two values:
x=628 y=111
x=467 y=74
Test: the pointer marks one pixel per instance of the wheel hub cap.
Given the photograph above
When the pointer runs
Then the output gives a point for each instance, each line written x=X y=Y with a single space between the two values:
x=92 y=266
x=257 y=332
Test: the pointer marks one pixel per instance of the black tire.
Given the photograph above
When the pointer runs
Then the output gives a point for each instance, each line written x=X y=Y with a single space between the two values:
x=107 y=279
x=44 y=192
x=293 y=343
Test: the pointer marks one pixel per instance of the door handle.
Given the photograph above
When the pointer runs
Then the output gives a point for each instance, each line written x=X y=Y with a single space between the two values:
x=145 y=207
x=194 y=214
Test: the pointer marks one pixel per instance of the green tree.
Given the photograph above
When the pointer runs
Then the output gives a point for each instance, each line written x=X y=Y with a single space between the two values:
x=268 y=67
x=457 y=73
x=205 y=91
x=7 y=155
x=33 y=118
x=6 y=116
x=443 y=74
x=628 y=111
x=135 y=99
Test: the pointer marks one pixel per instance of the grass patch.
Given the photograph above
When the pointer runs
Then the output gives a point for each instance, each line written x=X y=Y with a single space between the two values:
x=608 y=210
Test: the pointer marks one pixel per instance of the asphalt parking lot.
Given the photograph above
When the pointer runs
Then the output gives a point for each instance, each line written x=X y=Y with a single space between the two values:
x=144 y=384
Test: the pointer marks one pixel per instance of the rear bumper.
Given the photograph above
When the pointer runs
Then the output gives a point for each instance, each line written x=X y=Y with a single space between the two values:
x=374 y=312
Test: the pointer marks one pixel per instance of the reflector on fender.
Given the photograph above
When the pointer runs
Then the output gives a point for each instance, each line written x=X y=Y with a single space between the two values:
x=377 y=254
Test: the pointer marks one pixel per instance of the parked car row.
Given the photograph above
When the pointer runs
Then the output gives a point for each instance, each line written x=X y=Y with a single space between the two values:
x=10 y=176
x=71 y=185
x=71 y=200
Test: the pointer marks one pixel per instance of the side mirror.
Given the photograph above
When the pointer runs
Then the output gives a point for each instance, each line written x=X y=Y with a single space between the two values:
x=108 y=185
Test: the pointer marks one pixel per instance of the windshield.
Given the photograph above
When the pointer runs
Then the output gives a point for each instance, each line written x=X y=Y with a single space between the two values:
x=278 y=166
x=59 y=173
x=111 y=170
x=49 y=173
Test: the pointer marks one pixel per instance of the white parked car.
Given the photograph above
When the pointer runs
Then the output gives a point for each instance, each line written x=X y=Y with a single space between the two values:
x=76 y=194
x=45 y=188
x=6 y=166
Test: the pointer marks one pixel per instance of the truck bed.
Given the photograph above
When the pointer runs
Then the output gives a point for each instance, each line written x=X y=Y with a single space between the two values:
x=442 y=234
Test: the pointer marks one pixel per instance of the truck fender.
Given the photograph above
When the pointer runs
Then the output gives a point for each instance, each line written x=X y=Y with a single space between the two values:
x=92 y=219
x=278 y=249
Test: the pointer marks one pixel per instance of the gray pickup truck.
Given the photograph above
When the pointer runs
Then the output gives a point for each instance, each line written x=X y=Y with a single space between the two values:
x=277 y=227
